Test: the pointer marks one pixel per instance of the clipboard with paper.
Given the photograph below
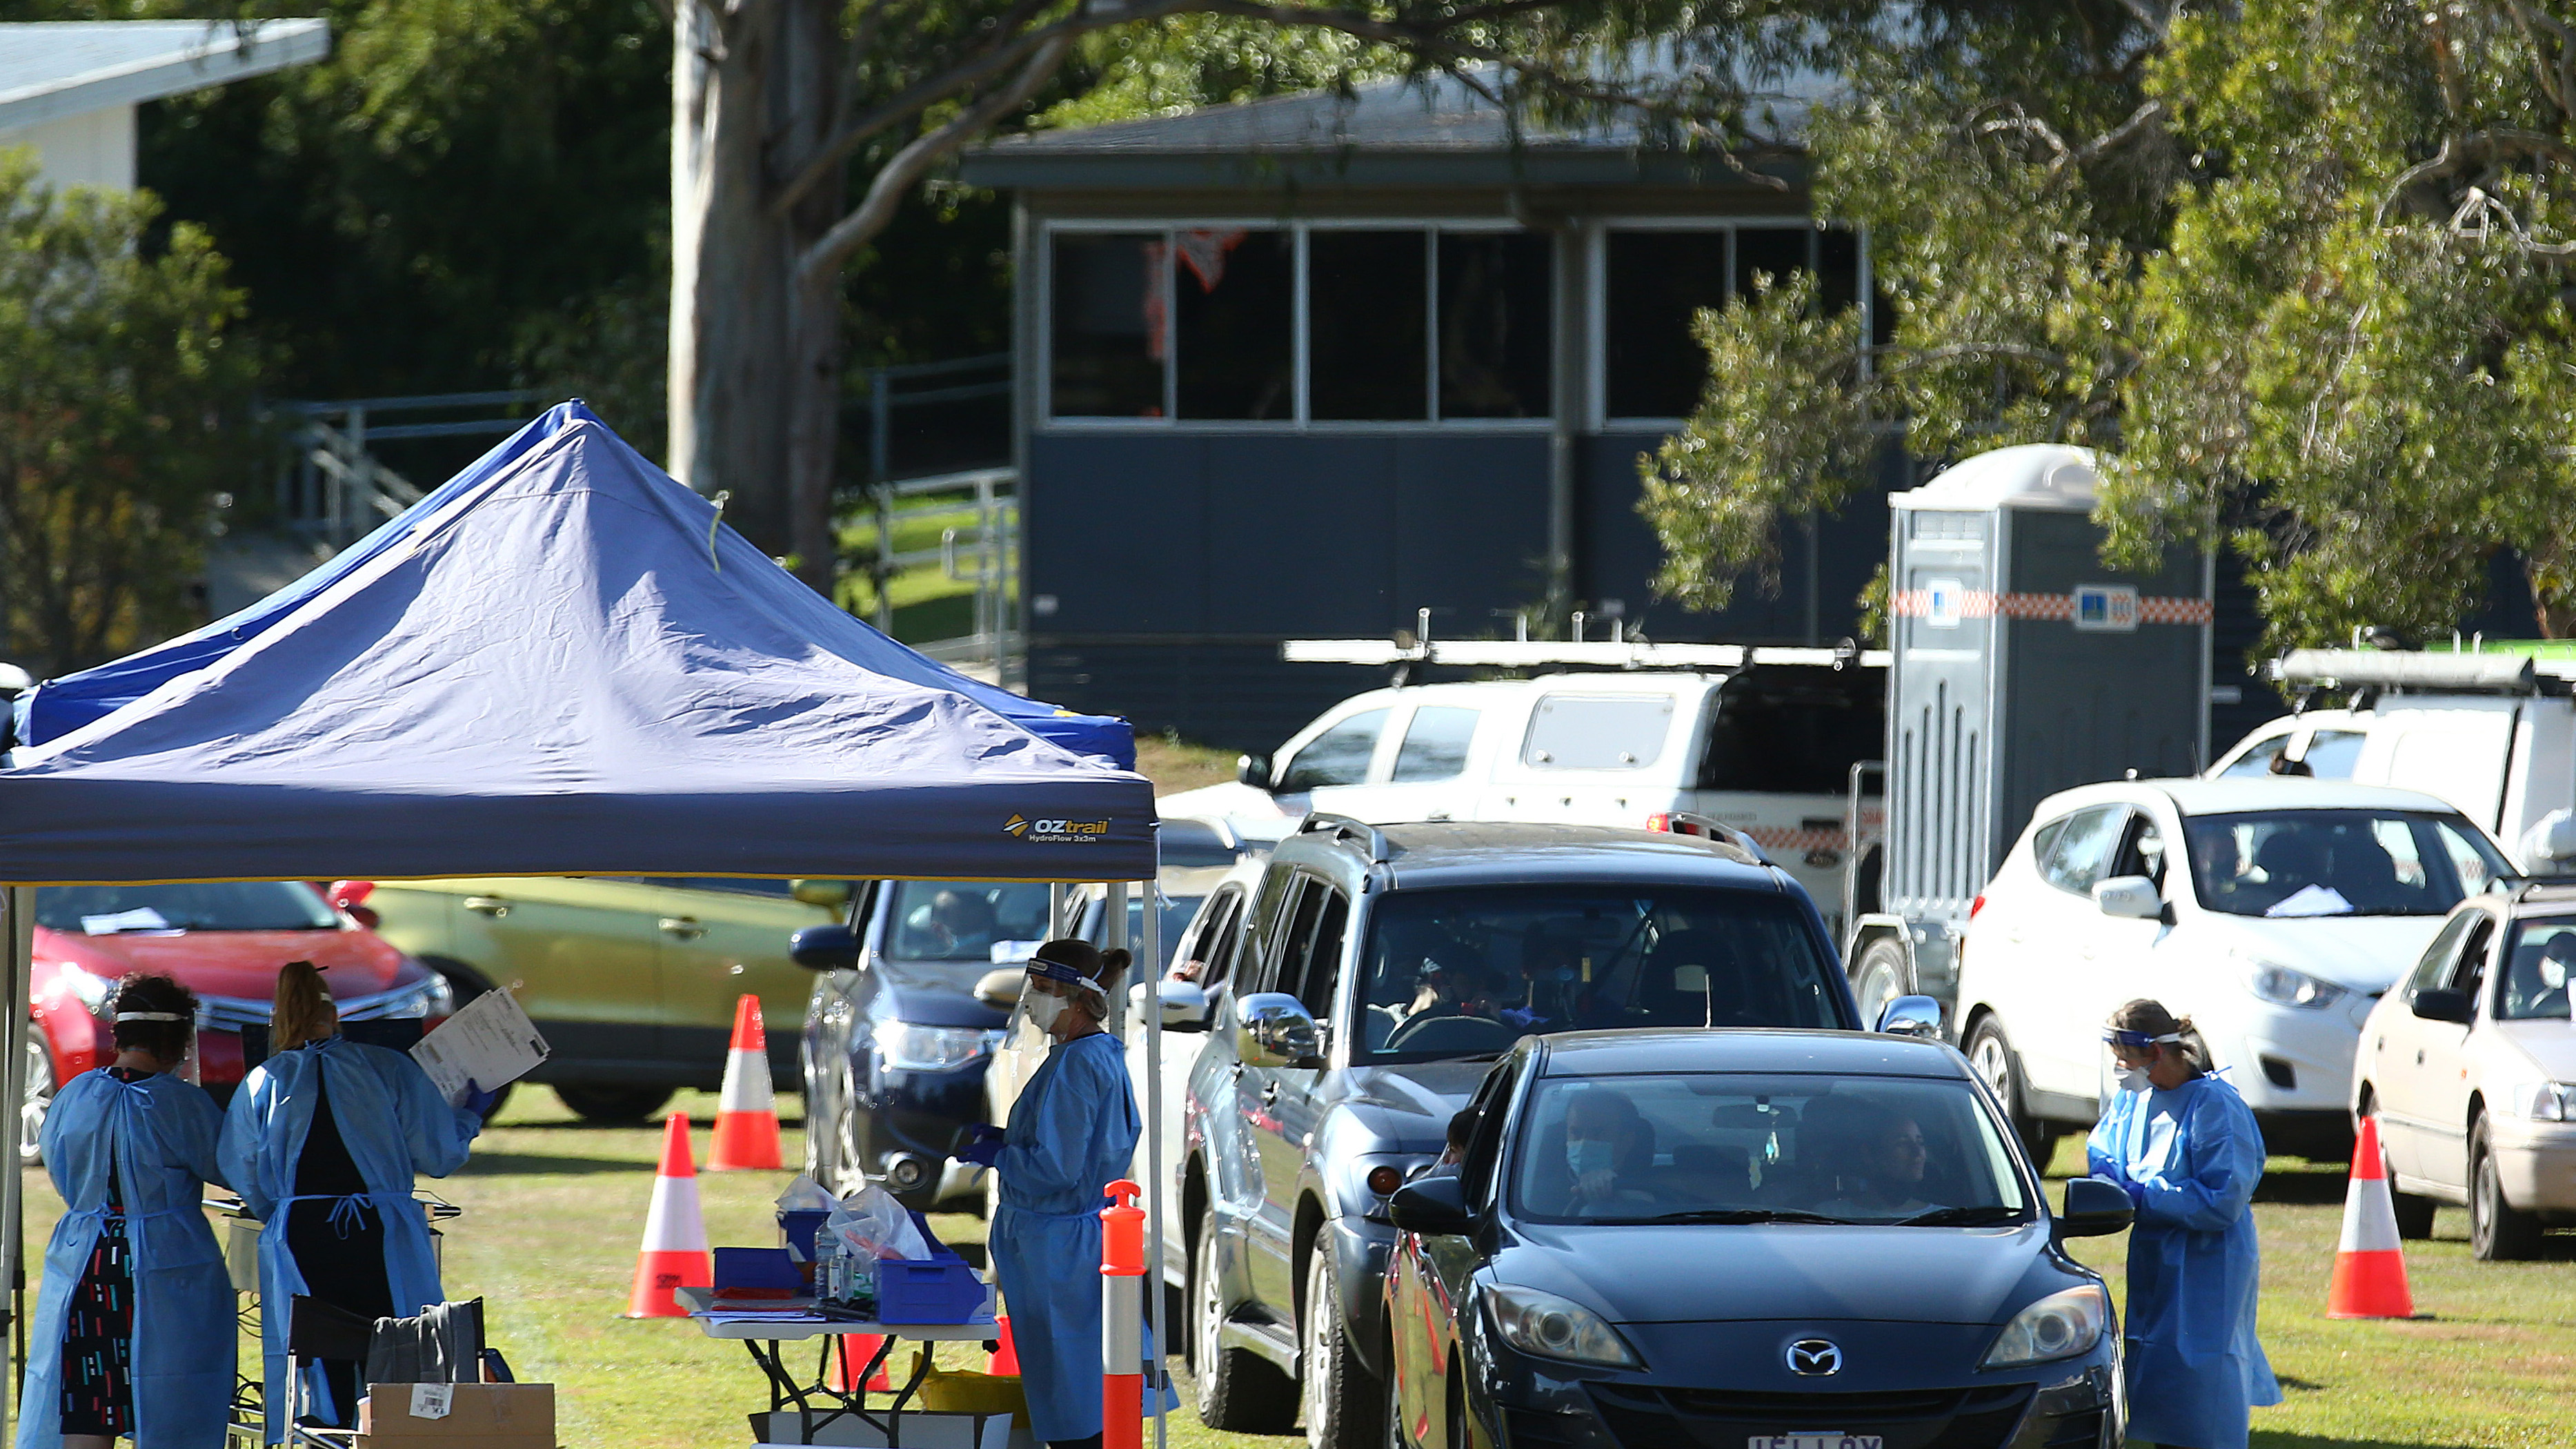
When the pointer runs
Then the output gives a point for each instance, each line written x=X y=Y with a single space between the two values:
x=489 y=1041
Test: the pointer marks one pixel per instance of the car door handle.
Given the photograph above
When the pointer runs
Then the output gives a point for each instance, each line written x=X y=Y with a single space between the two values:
x=492 y=906
x=684 y=927
x=1269 y=1094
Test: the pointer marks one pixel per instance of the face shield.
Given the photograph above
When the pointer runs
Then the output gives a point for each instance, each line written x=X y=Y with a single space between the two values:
x=2134 y=1046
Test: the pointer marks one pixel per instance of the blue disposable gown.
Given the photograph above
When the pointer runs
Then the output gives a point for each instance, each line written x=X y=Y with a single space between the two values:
x=160 y=1133
x=1073 y=1132
x=2194 y=1266
x=394 y=1123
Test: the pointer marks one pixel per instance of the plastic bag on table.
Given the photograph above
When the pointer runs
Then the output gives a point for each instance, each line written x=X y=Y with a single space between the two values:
x=872 y=1224
x=805 y=1195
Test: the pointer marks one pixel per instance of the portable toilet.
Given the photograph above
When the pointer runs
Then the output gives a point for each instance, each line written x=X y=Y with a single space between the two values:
x=2021 y=666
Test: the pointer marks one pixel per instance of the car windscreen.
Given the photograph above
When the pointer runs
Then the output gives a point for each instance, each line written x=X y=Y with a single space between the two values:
x=1723 y=1147
x=960 y=920
x=2535 y=970
x=2338 y=862
x=1467 y=972
x=266 y=905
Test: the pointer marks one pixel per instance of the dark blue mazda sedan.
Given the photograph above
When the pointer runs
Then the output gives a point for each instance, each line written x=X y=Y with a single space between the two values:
x=1746 y=1240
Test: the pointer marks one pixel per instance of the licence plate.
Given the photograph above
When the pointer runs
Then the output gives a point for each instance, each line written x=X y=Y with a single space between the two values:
x=1816 y=1441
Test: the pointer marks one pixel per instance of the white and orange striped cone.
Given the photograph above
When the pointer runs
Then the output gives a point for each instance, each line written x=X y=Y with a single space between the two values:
x=1122 y=1328
x=2370 y=1267
x=747 y=1113
x=674 y=1254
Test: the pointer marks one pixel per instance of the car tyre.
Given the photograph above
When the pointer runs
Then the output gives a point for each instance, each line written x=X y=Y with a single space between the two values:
x=1339 y=1398
x=1238 y=1390
x=2414 y=1214
x=611 y=1104
x=2497 y=1232
x=38 y=1089
x=1990 y=1052
x=1880 y=978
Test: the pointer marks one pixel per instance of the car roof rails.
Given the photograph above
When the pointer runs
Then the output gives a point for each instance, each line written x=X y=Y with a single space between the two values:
x=1726 y=838
x=1343 y=827
x=2547 y=888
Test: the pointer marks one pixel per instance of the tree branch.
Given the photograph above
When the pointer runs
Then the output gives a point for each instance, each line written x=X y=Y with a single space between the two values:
x=2094 y=149
x=2459 y=153
x=823 y=259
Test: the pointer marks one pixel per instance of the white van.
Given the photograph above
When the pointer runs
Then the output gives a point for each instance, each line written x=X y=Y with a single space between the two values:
x=1767 y=749
x=2493 y=734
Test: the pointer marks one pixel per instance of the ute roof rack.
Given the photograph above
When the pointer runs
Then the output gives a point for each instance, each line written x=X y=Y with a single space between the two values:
x=2406 y=671
x=1538 y=653
x=1343 y=827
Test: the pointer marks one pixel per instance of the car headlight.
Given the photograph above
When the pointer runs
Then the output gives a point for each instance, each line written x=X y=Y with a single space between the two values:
x=2539 y=1101
x=903 y=1046
x=2282 y=986
x=91 y=990
x=2060 y=1325
x=1552 y=1327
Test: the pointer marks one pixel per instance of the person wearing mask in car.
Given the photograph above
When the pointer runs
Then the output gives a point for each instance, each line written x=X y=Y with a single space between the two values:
x=1073 y=1131
x=1889 y=1182
x=321 y=1141
x=2184 y=1147
x=131 y=1147
x=1608 y=1147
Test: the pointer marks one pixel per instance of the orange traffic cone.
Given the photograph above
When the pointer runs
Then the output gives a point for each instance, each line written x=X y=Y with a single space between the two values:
x=674 y=1254
x=747 y=1113
x=1005 y=1358
x=2370 y=1268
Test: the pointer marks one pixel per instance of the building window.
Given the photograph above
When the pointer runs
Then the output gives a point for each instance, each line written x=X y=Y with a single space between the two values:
x=1368 y=309
x=1654 y=281
x=1403 y=325
x=1233 y=308
x=1108 y=326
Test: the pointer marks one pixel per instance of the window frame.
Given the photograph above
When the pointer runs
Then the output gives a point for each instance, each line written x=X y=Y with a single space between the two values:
x=1301 y=419
x=1595 y=261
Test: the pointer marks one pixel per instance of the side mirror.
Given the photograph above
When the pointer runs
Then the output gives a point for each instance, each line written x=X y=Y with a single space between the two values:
x=1000 y=990
x=1273 y=1029
x=349 y=897
x=1184 y=1005
x=1253 y=770
x=2552 y=842
x=832 y=947
x=1437 y=1207
x=2093 y=1208
x=830 y=894
x=2132 y=896
x=2454 y=1007
x=1915 y=1016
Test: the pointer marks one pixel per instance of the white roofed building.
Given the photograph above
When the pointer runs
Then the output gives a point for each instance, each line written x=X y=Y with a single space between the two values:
x=69 y=88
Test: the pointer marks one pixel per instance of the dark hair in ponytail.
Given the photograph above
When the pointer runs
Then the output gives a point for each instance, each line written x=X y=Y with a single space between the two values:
x=167 y=1040
x=303 y=1012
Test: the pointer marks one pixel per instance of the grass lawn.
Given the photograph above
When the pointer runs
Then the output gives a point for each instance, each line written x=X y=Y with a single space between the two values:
x=1174 y=764
x=928 y=605
x=554 y=1208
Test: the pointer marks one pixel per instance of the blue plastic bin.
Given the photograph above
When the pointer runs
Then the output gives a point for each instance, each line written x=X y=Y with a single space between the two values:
x=756 y=1268
x=941 y=1289
x=797 y=1229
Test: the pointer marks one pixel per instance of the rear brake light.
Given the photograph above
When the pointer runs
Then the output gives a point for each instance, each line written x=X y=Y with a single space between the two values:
x=1975 y=906
x=1660 y=821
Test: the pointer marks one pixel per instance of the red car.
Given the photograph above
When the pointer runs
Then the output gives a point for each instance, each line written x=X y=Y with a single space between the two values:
x=224 y=941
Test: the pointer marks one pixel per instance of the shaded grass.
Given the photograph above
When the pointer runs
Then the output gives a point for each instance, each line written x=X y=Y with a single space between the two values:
x=1174 y=764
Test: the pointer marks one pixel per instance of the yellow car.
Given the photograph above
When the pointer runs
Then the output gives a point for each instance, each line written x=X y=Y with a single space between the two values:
x=633 y=980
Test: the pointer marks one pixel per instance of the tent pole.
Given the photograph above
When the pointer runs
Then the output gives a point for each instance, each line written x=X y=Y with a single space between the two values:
x=21 y=921
x=1156 y=1295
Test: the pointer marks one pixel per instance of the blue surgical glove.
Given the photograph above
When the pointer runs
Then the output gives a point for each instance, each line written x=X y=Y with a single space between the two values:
x=2137 y=1194
x=983 y=1151
x=1521 y=1017
x=479 y=1102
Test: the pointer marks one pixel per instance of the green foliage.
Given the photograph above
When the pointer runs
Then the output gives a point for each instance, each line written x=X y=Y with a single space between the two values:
x=124 y=410
x=1189 y=61
x=2295 y=268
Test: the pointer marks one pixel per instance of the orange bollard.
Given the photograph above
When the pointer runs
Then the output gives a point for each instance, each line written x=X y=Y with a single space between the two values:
x=2370 y=1266
x=674 y=1252
x=1122 y=1327
x=1005 y=1359
x=747 y=1113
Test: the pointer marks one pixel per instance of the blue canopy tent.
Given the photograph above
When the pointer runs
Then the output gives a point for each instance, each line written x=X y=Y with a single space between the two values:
x=62 y=705
x=562 y=663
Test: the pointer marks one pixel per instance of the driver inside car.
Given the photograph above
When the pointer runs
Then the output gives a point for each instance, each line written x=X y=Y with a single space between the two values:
x=1609 y=1150
x=1889 y=1181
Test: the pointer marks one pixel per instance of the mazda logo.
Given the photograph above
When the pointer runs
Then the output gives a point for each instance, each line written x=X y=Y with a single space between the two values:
x=1814 y=1358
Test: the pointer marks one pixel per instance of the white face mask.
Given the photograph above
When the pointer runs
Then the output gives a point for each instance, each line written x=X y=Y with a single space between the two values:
x=1586 y=1156
x=2134 y=1079
x=1044 y=1008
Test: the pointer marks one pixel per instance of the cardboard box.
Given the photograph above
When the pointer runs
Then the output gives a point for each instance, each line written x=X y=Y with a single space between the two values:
x=491 y=1416
x=921 y=1430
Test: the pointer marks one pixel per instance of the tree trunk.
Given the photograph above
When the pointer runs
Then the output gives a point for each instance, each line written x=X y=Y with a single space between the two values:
x=755 y=359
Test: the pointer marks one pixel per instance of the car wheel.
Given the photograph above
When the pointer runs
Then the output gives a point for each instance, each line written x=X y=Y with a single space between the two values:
x=2497 y=1233
x=1990 y=1053
x=38 y=1087
x=1238 y=1390
x=611 y=1104
x=2414 y=1214
x=464 y=983
x=1339 y=1397
x=1879 y=979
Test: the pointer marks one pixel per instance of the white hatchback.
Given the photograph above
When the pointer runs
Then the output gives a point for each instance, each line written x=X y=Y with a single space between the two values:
x=2296 y=903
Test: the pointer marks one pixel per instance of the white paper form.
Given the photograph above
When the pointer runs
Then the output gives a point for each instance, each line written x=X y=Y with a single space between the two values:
x=489 y=1040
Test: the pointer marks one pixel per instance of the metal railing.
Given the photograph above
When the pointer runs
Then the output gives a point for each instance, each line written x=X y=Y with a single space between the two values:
x=984 y=552
x=335 y=491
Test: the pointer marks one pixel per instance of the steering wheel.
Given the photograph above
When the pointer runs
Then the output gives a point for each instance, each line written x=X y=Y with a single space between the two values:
x=1451 y=1034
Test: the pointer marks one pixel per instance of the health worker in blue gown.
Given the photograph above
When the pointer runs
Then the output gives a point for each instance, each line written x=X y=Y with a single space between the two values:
x=2184 y=1146
x=134 y=1325
x=1073 y=1131
x=321 y=1141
